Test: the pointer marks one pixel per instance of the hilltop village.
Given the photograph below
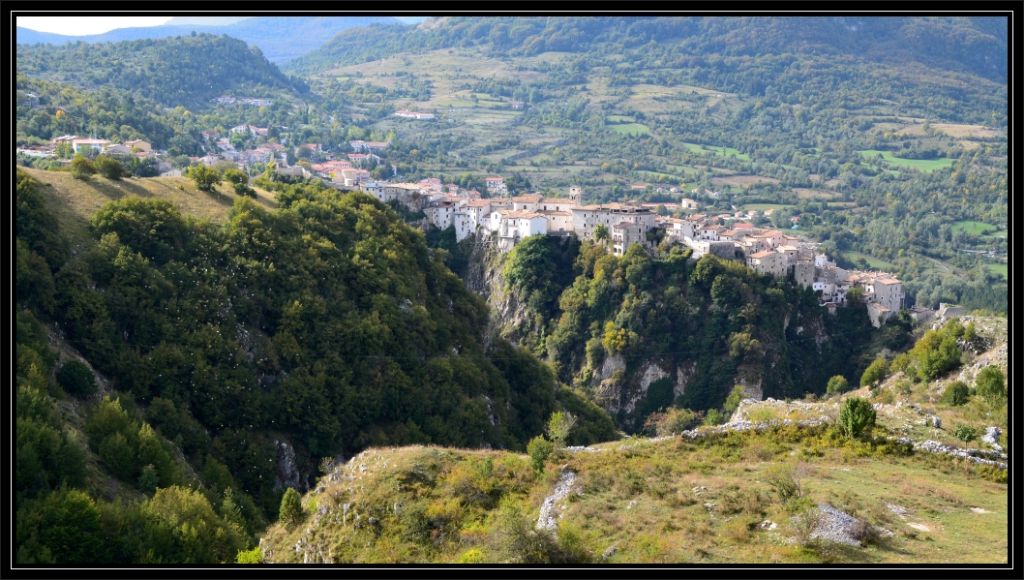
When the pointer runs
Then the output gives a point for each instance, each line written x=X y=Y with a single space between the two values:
x=504 y=220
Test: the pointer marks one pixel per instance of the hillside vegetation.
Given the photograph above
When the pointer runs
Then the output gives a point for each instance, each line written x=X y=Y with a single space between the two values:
x=639 y=332
x=765 y=487
x=184 y=70
x=236 y=355
x=74 y=201
x=647 y=501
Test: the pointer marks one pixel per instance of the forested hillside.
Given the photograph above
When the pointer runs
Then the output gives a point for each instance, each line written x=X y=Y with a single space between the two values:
x=235 y=357
x=185 y=70
x=784 y=45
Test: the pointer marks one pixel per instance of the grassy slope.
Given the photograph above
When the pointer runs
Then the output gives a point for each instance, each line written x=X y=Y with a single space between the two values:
x=644 y=497
x=973 y=228
x=926 y=165
x=75 y=201
x=676 y=501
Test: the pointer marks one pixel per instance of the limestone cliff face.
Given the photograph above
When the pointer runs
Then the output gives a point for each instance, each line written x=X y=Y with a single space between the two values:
x=631 y=387
x=510 y=317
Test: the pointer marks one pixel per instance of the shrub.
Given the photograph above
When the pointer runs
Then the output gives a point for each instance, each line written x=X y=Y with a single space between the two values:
x=875 y=373
x=82 y=168
x=805 y=523
x=204 y=177
x=965 y=433
x=991 y=384
x=243 y=189
x=148 y=479
x=715 y=417
x=571 y=547
x=539 y=450
x=901 y=363
x=837 y=384
x=76 y=378
x=109 y=167
x=672 y=421
x=516 y=541
x=253 y=556
x=905 y=386
x=559 y=426
x=937 y=352
x=733 y=400
x=782 y=479
x=956 y=394
x=291 y=508
x=856 y=417
x=471 y=556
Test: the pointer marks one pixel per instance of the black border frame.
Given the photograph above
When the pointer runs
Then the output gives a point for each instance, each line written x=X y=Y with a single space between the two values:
x=1010 y=10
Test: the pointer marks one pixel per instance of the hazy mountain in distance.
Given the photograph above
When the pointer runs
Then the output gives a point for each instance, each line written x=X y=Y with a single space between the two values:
x=281 y=38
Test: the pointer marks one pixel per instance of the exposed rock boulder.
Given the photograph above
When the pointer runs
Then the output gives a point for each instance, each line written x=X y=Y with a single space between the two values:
x=991 y=438
x=837 y=526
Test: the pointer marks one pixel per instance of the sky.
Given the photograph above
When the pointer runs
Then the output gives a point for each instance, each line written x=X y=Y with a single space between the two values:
x=84 y=25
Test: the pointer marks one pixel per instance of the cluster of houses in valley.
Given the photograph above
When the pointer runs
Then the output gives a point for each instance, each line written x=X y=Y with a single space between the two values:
x=418 y=115
x=248 y=101
x=505 y=220
x=137 y=148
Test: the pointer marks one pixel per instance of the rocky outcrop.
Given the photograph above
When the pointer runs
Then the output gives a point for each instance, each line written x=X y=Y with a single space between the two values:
x=838 y=527
x=288 y=474
x=972 y=455
x=991 y=438
x=551 y=509
x=684 y=374
x=509 y=317
x=606 y=382
x=651 y=372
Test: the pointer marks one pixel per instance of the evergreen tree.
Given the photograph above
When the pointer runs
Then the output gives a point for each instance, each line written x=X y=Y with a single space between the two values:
x=291 y=508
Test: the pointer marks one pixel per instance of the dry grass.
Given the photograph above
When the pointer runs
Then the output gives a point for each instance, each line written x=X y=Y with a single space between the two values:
x=966 y=131
x=79 y=200
x=808 y=193
x=743 y=180
x=655 y=503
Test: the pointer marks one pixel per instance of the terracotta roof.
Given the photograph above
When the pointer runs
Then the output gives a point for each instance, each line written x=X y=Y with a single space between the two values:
x=520 y=214
x=528 y=198
x=762 y=254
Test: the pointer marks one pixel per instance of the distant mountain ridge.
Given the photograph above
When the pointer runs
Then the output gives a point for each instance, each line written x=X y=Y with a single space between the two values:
x=280 y=38
x=957 y=44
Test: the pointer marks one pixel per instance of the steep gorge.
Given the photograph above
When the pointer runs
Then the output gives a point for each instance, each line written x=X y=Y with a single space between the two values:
x=639 y=333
